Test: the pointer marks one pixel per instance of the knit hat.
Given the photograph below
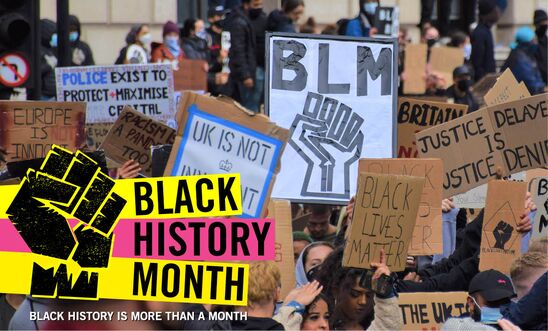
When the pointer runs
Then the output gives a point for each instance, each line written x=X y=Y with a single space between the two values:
x=300 y=235
x=486 y=6
x=525 y=34
x=540 y=15
x=170 y=27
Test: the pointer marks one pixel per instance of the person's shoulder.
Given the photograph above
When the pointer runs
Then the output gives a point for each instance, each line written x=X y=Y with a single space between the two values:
x=465 y=323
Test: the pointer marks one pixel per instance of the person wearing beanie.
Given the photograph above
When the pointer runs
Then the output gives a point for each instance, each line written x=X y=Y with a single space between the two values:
x=522 y=61
x=541 y=23
x=483 y=47
x=170 y=51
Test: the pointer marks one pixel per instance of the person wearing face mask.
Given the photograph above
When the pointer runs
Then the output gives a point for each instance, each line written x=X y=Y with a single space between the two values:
x=170 y=51
x=363 y=25
x=195 y=40
x=541 y=23
x=522 y=61
x=460 y=90
x=490 y=291
x=81 y=52
x=284 y=20
x=483 y=48
x=48 y=58
x=218 y=57
x=138 y=42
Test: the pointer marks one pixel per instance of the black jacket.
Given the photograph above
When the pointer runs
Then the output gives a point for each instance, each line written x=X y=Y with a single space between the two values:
x=48 y=58
x=256 y=323
x=259 y=27
x=279 y=22
x=81 y=52
x=195 y=49
x=542 y=57
x=242 y=54
x=483 y=51
x=467 y=99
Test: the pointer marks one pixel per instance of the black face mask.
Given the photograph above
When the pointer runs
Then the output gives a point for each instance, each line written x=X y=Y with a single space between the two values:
x=464 y=85
x=541 y=31
x=431 y=42
x=476 y=315
x=254 y=12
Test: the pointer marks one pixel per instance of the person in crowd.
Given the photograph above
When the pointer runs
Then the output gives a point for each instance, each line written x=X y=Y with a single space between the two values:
x=130 y=169
x=48 y=58
x=317 y=314
x=300 y=241
x=138 y=42
x=461 y=40
x=526 y=270
x=483 y=48
x=431 y=37
x=310 y=26
x=318 y=226
x=311 y=257
x=243 y=51
x=8 y=305
x=530 y=312
x=460 y=91
x=20 y=319
x=216 y=78
x=444 y=9
x=539 y=245
x=330 y=29
x=259 y=21
x=489 y=292
x=356 y=307
x=194 y=40
x=80 y=50
x=284 y=20
x=170 y=51
x=541 y=23
x=364 y=24
x=522 y=61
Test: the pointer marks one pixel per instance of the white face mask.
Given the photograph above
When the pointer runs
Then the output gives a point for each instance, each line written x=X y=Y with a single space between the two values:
x=467 y=51
x=145 y=39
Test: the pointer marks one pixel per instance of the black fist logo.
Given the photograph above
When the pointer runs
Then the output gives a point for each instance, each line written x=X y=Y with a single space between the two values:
x=503 y=233
x=67 y=186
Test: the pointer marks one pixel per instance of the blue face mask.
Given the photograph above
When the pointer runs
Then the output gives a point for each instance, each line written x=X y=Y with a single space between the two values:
x=73 y=36
x=53 y=40
x=173 y=44
x=370 y=8
x=490 y=315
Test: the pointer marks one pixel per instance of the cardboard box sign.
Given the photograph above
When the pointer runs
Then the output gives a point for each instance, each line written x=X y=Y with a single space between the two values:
x=191 y=76
x=427 y=233
x=132 y=136
x=429 y=311
x=539 y=191
x=506 y=89
x=217 y=135
x=28 y=129
x=96 y=133
x=280 y=211
x=443 y=60
x=384 y=217
x=415 y=69
x=500 y=241
x=415 y=115
x=511 y=136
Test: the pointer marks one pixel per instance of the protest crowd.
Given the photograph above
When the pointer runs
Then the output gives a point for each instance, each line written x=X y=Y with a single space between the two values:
x=333 y=278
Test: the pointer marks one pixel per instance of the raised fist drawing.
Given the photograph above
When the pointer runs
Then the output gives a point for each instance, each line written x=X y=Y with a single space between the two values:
x=503 y=233
x=67 y=186
x=327 y=136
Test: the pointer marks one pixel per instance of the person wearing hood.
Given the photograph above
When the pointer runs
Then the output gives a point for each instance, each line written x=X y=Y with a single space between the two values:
x=138 y=42
x=48 y=58
x=80 y=50
x=522 y=61
x=363 y=25
x=284 y=20
x=541 y=23
x=460 y=91
x=483 y=47
x=170 y=51
x=312 y=256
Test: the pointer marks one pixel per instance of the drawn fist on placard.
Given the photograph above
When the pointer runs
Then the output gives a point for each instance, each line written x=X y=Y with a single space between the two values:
x=327 y=135
x=67 y=186
x=503 y=233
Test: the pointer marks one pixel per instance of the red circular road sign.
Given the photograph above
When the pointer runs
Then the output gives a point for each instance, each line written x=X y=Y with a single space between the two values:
x=14 y=70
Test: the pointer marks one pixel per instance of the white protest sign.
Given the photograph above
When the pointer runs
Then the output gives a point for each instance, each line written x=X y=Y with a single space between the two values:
x=148 y=88
x=539 y=190
x=475 y=198
x=337 y=95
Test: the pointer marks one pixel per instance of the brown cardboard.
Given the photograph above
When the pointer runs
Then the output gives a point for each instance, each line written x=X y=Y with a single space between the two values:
x=506 y=89
x=29 y=128
x=443 y=60
x=427 y=233
x=427 y=311
x=280 y=211
x=11 y=181
x=97 y=132
x=481 y=87
x=384 y=216
x=132 y=136
x=500 y=241
x=415 y=115
x=191 y=76
x=227 y=110
x=415 y=69
x=511 y=136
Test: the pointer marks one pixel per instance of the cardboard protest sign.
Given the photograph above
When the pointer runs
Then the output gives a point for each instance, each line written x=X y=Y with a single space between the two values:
x=511 y=136
x=384 y=217
x=506 y=89
x=415 y=69
x=427 y=234
x=96 y=133
x=191 y=76
x=444 y=60
x=475 y=198
x=429 y=312
x=280 y=212
x=148 y=88
x=132 y=136
x=415 y=115
x=387 y=21
x=337 y=95
x=500 y=241
x=218 y=136
x=28 y=129
x=540 y=198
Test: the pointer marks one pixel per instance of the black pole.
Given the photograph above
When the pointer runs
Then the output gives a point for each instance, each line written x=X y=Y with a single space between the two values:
x=36 y=89
x=63 y=50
